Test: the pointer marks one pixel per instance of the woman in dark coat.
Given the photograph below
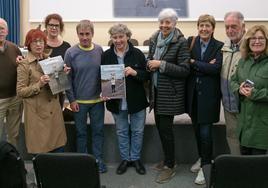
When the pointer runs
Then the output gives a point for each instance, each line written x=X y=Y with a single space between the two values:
x=203 y=97
x=129 y=113
x=168 y=62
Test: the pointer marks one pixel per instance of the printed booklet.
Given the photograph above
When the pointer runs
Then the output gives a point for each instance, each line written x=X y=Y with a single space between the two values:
x=53 y=67
x=113 y=81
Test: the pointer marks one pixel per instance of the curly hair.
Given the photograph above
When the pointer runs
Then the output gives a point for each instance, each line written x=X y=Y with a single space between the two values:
x=54 y=16
x=244 y=48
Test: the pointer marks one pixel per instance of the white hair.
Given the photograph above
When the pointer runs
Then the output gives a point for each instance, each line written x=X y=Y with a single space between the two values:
x=4 y=22
x=168 y=13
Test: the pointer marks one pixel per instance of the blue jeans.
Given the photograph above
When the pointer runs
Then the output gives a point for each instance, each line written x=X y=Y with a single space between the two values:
x=129 y=130
x=96 y=116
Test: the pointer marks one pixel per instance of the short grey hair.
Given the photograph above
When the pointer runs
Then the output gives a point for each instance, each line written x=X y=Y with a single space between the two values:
x=85 y=24
x=4 y=22
x=120 y=28
x=168 y=13
x=235 y=14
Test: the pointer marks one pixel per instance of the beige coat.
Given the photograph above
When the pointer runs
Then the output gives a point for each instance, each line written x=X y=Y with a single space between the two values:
x=44 y=125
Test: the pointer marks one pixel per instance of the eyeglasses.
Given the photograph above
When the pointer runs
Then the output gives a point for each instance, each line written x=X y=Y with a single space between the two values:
x=53 y=25
x=40 y=42
x=260 y=39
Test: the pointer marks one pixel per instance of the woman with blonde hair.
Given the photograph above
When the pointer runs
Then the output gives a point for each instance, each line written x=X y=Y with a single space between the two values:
x=250 y=84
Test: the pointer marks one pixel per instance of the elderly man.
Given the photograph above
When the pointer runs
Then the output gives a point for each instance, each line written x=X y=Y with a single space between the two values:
x=84 y=59
x=235 y=29
x=10 y=105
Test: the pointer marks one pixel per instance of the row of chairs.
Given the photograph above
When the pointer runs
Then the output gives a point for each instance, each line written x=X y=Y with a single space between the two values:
x=135 y=42
x=72 y=170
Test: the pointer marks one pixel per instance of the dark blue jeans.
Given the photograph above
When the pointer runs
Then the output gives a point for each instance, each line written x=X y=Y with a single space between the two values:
x=96 y=116
x=203 y=133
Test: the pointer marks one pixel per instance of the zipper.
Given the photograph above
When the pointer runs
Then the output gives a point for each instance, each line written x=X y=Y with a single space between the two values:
x=228 y=73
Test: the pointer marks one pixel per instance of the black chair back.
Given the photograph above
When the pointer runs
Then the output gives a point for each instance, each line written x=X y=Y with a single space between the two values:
x=146 y=42
x=230 y=171
x=66 y=170
x=134 y=42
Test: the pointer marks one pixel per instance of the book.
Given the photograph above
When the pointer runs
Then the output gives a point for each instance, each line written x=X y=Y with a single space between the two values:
x=113 y=81
x=53 y=67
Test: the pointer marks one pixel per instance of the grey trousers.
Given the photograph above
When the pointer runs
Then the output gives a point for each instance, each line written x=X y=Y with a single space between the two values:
x=11 y=113
x=231 y=124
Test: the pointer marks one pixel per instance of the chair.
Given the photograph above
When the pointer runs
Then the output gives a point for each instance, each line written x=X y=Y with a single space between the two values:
x=134 y=42
x=230 y=171
x=110 y=42
x=146 y=42
x=68 y=170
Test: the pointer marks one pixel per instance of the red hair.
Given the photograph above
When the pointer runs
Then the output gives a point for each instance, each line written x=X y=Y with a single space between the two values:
x=32 y=35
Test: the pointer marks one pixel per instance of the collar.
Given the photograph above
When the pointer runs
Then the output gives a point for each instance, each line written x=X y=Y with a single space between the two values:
x=203 y=43
x=87 y=49
x=4 y=47
x=31 y=58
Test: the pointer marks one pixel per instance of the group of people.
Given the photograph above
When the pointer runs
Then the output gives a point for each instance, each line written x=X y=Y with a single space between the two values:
x=186 y=76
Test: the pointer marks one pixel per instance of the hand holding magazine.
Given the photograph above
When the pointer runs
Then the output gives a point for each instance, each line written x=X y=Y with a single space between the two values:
x=53 y=67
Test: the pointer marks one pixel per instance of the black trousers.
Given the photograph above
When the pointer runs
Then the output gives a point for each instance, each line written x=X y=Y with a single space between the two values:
x=164 y=124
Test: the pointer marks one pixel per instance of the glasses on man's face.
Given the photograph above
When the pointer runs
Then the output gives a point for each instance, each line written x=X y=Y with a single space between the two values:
x=56 y=26
x=38 y=42
x=255 y=39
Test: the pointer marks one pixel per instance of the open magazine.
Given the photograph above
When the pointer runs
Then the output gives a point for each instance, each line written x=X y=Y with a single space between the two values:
x=53 y=67
x=113 y=81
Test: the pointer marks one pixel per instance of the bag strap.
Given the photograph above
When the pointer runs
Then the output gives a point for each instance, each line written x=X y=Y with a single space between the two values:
x=192 y=43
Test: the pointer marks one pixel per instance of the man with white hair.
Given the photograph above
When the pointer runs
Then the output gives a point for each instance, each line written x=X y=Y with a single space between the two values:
x=10 y=105
x=235 y=30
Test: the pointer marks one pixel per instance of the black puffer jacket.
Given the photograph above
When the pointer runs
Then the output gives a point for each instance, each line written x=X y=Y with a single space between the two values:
x=171 y=81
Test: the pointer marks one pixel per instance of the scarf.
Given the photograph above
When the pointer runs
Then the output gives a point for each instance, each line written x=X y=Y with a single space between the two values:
x=161 y=46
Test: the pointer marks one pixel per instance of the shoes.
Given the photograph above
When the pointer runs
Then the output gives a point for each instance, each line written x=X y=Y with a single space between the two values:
x=159 y=166
x=165 y=174
x=102 y=167
x=196 y=166
x=122 y=168
x=200 y=178
x=139 y=167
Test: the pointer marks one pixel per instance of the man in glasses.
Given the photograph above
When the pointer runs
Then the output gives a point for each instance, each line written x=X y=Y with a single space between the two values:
x=10 y=105
x=235 y=30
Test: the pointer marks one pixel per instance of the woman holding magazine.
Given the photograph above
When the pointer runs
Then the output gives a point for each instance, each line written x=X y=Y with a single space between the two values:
x=44 y=125
x=129 y=113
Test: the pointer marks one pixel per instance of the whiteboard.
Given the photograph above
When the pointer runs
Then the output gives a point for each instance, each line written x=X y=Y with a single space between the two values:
x=102 y=10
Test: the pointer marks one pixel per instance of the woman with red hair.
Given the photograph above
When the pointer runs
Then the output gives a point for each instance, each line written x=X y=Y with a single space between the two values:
x=44 y=125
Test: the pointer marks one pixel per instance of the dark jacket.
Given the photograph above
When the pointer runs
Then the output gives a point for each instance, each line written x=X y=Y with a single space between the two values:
x=171 y=81
x=203 y=84
x=135 y=92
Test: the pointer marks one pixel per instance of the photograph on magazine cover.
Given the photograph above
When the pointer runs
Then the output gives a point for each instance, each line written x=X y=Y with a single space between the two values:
x=53 y=67
x=113 y=81
x=148 y=8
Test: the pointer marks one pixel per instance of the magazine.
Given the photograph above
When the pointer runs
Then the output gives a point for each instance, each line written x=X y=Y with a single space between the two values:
x=53 y=67
x=113 y=81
